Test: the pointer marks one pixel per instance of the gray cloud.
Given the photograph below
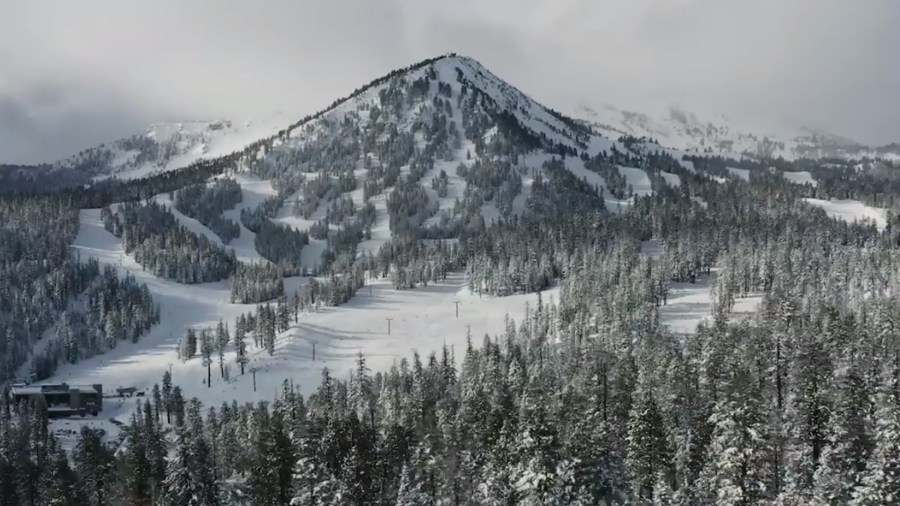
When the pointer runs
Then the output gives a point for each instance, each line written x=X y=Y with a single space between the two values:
x=73 y=74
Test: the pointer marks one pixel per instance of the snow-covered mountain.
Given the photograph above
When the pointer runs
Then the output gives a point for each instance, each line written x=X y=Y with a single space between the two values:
x=452 y=78
x=678 y=128
x=170 y=146
x=167 y=146
x=162 y=147
x=437 y=154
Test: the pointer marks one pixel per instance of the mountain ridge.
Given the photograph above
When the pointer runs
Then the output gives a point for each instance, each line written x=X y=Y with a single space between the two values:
x=169 y=146
x=680 y=128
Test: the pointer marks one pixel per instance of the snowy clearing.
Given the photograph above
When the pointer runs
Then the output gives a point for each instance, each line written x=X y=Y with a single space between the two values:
x=640 y=185
x=851 y=211
x=637 y=179
x=671 y=179
x=740 y=173
x=691 y=303
x=802 y=177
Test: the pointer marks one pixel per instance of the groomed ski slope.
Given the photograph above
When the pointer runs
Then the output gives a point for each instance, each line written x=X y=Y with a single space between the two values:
x=423 y=319
x=253 y=192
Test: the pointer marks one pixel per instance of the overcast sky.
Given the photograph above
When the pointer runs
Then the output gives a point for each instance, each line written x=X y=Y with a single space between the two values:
x=75 y=74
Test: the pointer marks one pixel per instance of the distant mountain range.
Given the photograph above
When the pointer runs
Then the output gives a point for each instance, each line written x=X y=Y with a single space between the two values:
x=677 y=128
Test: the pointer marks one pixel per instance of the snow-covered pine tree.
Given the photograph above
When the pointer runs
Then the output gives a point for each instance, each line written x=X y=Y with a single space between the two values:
x=881 y=481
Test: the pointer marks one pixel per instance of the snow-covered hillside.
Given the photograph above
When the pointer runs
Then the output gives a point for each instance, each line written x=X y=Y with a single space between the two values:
x=451 y=131
x=693 y=132
x=170 y=146
x=851 y=211
x=437 y=262
x=447 y=134
x=422 y=319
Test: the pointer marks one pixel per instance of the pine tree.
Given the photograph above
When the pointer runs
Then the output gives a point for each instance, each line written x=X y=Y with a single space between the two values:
x=311 y=482
x=239 y=345
x=272 y=459
x=881 y=482
x=178 y=406
x=222 y=339
x=599 y=467
x=94 y=466
x=844 y=460
x=138 y=467
x=188 y=347
x=648 y=448
x=167 y=395
x=535 y=475
x=807 y=417
x=157 y=401
x=60 y=481
x=179 y=485
x=190 y=479
x=736 y=465
x=206 y=350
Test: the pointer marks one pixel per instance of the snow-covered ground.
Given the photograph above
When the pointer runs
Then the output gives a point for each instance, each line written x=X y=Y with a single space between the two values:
x=671 y=179
x=254 y=191
x=851 y=211
x=740 y=173
x=422 y=319
x=801 y=177
x=638 y=180
x=640 y=185
x=691 y=303
x=192 y=141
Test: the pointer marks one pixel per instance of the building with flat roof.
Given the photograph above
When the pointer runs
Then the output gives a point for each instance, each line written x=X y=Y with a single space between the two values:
x=63 y=399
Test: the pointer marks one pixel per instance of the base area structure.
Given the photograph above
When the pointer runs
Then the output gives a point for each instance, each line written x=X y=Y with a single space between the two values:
x=62 y=399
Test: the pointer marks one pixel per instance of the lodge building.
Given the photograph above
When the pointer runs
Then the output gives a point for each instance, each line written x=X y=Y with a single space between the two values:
x=63 y=399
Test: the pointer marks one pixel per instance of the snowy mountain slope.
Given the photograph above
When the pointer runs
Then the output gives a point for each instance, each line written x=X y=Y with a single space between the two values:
x=447 y=119
x=460 y=71
x=168 y=146
x=675 y=127
x=423 y=319
x=253 y=192
x=162 y=147
x=447 y=134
